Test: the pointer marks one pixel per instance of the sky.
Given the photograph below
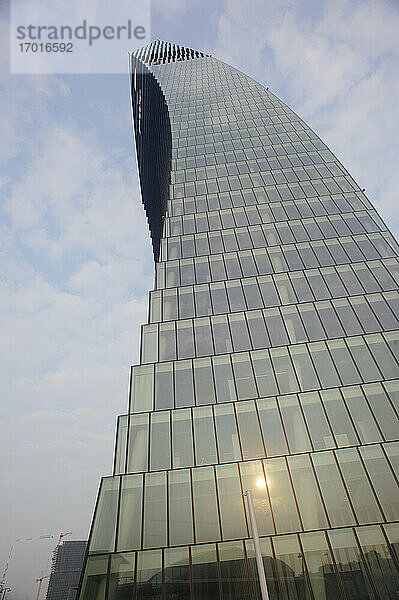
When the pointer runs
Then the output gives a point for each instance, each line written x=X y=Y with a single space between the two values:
x=76 y=262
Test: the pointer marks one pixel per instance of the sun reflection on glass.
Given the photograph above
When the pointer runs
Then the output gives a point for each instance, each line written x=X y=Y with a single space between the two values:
x=261 y=483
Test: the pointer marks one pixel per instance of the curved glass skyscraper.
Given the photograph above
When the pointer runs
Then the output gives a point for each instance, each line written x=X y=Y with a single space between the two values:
x=269 y=361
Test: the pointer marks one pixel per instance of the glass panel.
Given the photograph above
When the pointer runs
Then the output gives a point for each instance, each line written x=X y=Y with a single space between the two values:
x=282 y=499
x=383 y=357
x=343 y=361
x=121 y=438
x=294 y=425
x=163 y=385
x=358 y=486
x=293 y=324
x=224 y=381
x=142 y=388
x=310 y=318
x=130 y=513
x=236 y=296
x=149 y=575
x=204 y=436
x=103 y=533
x=382 y=479
x=167 y=341
x=180 y=508
x=248 y=425
x=379 y=561
x=203 y=337
x=201 y=292
x=392 y=450
x=233 y=571
x=361 y=414
x=268 y=291
x=176 y=574
x=275 y=327
x=257 y=329
x=252 y=294
x=304 y=369
x=347 y=316
x=227 y=436
x=365 y=314
x=186 y=302
x=253 y=479
x=121 y=581
x=325 y=368
x=155 y=510
x=230 y=502
x=219 y=297
x=182 y=438
x=291 y=568
x=205 y=506
x=160 y=441
x=316 y=421
x=339 y=418
x=350 y=565
x=221 y=334
x=272 y=429
x=382 y=410
x=307 y=493
x=184 y=388
x=203 y=380
x=149 y=343
x=329 y=319
x=332 y=489
x=185 y=339
x=363 y=359
x=284 y=371
x=239 y=332
x=285 y=289
x=205 y=572
x=392 y=389
x=264 y=374
x=320 y=566
x=95 y=578
x=243 y=376
x=269 y=566
x=392 y=533
x=137 y=457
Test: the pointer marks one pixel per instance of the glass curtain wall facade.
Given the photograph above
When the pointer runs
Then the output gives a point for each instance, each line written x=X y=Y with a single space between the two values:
x=269 y=361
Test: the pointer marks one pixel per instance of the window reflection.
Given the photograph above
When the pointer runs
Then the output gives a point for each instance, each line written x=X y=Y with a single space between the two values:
x=350 y=565
x=176 y=574
x=149 y=575
x=233 y=571
x=291 y=568
x=320 y=566
x=205 y=572
x=121 y=579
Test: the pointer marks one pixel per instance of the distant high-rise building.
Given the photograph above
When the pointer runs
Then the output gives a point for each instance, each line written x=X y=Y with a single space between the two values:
x=269 y=361
x=66 y=570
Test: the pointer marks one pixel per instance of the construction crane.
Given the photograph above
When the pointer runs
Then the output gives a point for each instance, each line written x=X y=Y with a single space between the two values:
x=62 y=535
x=40 y=581
x=28 y=539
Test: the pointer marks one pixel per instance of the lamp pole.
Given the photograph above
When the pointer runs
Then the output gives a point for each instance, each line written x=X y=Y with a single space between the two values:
x=258 y=554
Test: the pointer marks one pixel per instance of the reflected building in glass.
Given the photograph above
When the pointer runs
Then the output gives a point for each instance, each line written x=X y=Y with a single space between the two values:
x=269 y=361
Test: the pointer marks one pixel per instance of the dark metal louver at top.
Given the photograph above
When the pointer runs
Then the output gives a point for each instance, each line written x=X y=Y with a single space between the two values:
x=158 y=53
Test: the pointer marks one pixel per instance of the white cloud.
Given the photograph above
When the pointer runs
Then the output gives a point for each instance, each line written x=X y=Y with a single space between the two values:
x=337 y=68
x=77 y=265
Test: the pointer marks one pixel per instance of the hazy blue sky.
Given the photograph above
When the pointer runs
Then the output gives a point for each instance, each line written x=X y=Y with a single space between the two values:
x=76 y=259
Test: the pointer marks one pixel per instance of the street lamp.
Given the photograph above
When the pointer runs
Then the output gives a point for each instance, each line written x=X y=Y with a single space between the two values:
x=261 y=483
